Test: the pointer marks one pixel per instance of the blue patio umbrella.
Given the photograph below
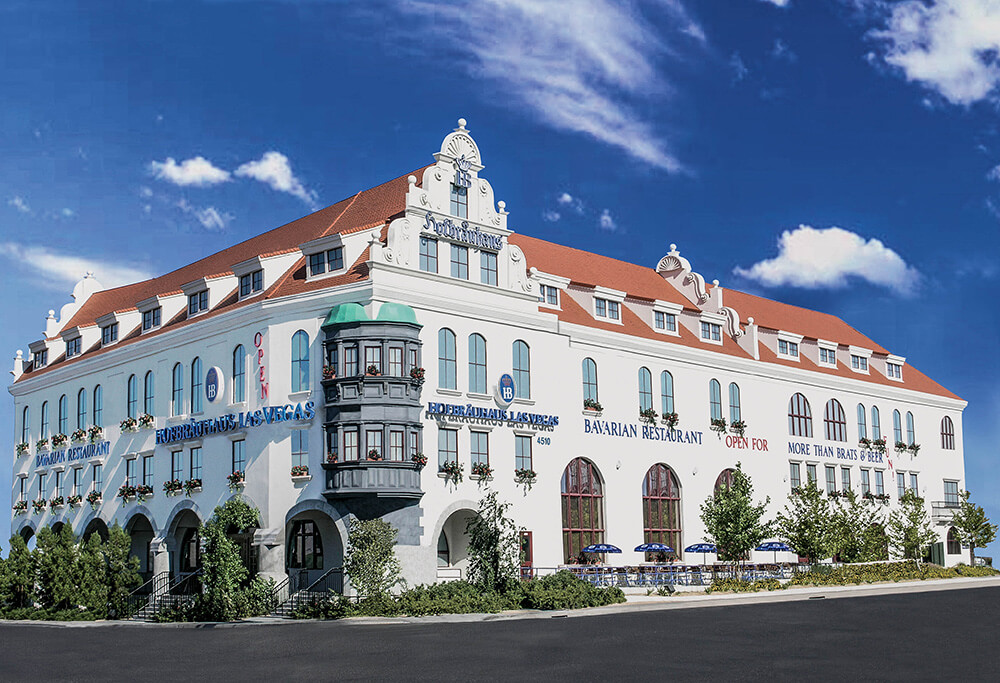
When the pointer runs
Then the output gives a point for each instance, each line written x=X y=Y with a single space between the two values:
x=775 y=547
x=702 y=548
x=602 y=548
x=653 y=548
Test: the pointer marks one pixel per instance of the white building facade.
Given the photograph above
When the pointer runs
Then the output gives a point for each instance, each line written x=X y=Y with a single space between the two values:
x=311 y=369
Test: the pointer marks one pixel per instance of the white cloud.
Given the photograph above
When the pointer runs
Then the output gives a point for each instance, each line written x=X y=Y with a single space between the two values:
x=829 y=258
x=19 y=203
x=568 y=200
x=994 y=174
x=779 y=3
x=782 y=51
x=740 y=70
x=551 y=216
x=274 y=169
x=197 y=171
x=60 y=270
x=951 y=47
x=209 y=217
x=67 y=213
x=606 y=222
x=581 y=69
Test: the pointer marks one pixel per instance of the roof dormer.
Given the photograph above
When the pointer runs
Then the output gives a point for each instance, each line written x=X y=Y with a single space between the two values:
x=666 y=317
x=550 y=288
x=117 y=325
x=894 y=367
x=160 y=309
x=258 y=274
x=788 y=345
x=206 y=293
x=607 y=305
x=859 y=359
x=80 y=339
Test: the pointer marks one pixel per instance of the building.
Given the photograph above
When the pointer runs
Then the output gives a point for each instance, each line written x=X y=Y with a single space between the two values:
x=310 y=369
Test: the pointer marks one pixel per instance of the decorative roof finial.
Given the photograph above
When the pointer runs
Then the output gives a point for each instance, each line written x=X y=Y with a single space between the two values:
x=461 y=124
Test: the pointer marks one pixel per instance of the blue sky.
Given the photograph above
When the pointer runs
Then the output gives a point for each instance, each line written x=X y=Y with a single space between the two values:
x=842 y=155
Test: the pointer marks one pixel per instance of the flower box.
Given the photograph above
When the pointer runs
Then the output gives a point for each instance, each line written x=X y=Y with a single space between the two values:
x=173 y=487
x=525 y=476
x=95 y=498
x=59 y=440
x=417 y=375
x=20 y=507
x=147 y=421
x=192 y=486
x=42 y=445
x=373 y=454
x=419 y=458
x=913 y=448
x=329 y=372
x=143 y=492
x=332 y=458
x=126 y=492
x=22 y=448
x=373 y=371
x=236 y=480
x=37 y=506
x=300 y=472
x=865 y=443
x=451 y=470
x=648 y=415
x=739 y=428
x=719 y=425
x=901 y=446
x=129 y=424
x=57 y=503
x=878 y=445
x=95 y=434
x=591 y=404
x=75 y=501
x=671 y=420
x=79 y=436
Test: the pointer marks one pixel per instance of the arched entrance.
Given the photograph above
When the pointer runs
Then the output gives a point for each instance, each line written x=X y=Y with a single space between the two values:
x=57 y=527
x=453 y=545
x=661 y=511
x=98 y=526
x=582 y=508
x=313 y=547
x=186 y=542
x=28 y=534
x=140 y=530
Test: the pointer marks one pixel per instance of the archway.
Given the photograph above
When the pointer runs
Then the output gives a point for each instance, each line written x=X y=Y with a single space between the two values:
x=27 y=533
x=185 y=540
x=582 y=508
x=313 y=547
x=453 y=562
x=98 y=526
x=58 y=526
x=140 y=530
x=661 y=511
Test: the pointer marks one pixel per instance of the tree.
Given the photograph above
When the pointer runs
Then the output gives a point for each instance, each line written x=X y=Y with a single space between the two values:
x=910 y=528
x=21 y=574
x=494 y=546
x=732 y=521
x=972 y=526
x=856 y=527
x=92 y=575
x=56 y=557
x=370 y=560
x=805 y=522
x=223 y=572
x=122 y=571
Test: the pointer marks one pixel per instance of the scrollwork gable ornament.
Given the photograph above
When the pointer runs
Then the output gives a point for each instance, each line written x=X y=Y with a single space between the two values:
x=732 y=321
x=676 y=268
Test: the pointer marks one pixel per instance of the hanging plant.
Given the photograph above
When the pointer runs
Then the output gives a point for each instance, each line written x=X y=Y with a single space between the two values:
x=671 y=420
x=300 y=471
x=373 y=370
x=173 y=487
x=648 y=415
x=126 y=491
x=95 y=434
x=419 y=458
x=719 y=425
x=452 y=470
x=79 y=436
x=192 y=486
x=42 y=445
x=373 y=454
x=37 y=506
x=143 y=491
x=329 y=372
x=95 y=498
x=739 y=428
x=22 y=448
x=20 y=507
x=59 y=440
x=417 y=375
x=591 y=404
x=146 y=421
x=481 y=469
x=236 y=480
x=913 y=448
x=129 y=424
x=525 y=476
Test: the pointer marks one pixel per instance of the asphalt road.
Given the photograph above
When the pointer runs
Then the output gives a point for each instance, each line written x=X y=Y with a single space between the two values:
x=916 y=636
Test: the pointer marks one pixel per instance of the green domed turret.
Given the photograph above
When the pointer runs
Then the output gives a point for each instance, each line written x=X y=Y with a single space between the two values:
x=396 y=313
x=346 y=313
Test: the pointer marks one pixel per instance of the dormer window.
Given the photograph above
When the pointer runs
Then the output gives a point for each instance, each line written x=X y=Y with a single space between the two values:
x=72 y=347
x=198 y=302
x=151 y=318
x=109 y=334
x=711 y=331
x=827 y=356
x=788 y=348
x=894 y=370
x=40 y=358
x=665 y=321
x=547 y=294
x=859 y=363
x=251 y=283
x=605 y=308
x=330 y=260
x=459 y=201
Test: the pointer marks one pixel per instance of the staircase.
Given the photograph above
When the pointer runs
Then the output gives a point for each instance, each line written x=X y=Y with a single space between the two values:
x=159 y=593
x=290 y=597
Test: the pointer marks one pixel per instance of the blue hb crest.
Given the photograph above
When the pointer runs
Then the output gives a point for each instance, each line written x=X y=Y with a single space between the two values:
x=462 y=176
x=506 y=389
x=213 y=384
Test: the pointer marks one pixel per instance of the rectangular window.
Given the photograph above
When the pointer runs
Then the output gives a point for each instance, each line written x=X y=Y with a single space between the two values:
x=827 y=356
x=894 y=371
x=522 y=452
x=913 y=483
x=130 y=471
x=20 y=490
x=335 y=258
x=151 y=319
x=665 y=321
x=77 y=481
x=396 y=445
x=460 y=262
x=373 y=357
x=300 y=448
x=41 y=358
x=859 y=363
x=414 y=359
x=603 y=308
x=811 y=473
x=831 y=478
x=317 y=264
x=951 y=497
x=795 y=475
x=252 y=282
x=239 y=455
x=59 y=485
x=72 y=347
x=866 y=483
x=147 y=470
x=447 y=446
x=479 y=447
x=428 y=255
x=98 y=476
x=459 y=201
x=176 y=469
x=787 y=348
x=395 y=361
x=198 y=302
x=373 y=442
x=711 y=331
x=195 y=462
x=350 y=361
x=548 y=295
x=109 y=334
x=351 y=444
x=41 y=486
x=879 y=483
x=487 y=268
x=900 y=484
x=845 y=479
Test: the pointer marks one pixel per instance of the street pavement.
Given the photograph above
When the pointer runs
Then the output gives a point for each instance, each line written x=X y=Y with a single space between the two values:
x=937 y=635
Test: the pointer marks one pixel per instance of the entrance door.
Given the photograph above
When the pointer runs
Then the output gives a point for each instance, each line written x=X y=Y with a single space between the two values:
x=937 y=553
x=527 y=555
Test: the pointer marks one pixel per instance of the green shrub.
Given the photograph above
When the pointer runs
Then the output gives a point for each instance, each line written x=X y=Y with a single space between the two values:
x=907 y=570
x=455 y=597
x=563 y=590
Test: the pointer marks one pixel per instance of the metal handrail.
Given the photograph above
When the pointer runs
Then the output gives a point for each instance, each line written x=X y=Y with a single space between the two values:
x=296 y=597
x=140 y=597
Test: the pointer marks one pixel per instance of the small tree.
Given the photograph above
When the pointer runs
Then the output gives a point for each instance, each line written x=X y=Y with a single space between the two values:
x=732 y=521
x=494 y=546
x=92 y=576
x=21 y=574
x=56 y=557
x=223 y=572
x=856 y=529
x=805 y=522
x=370 y=560
x=122 y=571
x=972 y=526
x=910 y=528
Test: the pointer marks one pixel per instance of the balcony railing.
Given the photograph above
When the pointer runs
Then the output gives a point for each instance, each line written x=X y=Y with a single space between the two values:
x=943 y=510
x=377 y=478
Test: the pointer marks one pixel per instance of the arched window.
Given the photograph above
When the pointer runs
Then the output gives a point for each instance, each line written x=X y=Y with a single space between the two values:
x=196 y=397
x=876 y=424
x=589 y=379
x=443 y=553
x=477 y=364
x=911 y=437
x=715 y=399
x=447 y=360
x=666 y=392
x=724 y=480
x=800 y=419
x=98 y=406
x=300 y=361
x=862 y=427
x=239 y=374
x=735 y=414
x=522 y=369
x=954 y=546
x=645 y=389
x=148 y=393
x=132 y=400
x=43 y=427
x=661 y=507
x=835 y=421
x=582 y=507
x=81 y=409
x=897 y=426
x=305 y=546
x=947 y=434
x=25 y=426
x=63 y=414
x=177 y=390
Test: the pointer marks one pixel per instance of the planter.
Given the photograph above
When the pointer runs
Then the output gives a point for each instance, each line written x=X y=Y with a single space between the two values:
x=301 y=477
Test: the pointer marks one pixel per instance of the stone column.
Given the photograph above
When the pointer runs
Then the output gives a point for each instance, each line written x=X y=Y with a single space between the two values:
x=271 y=551
x=159 y=549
